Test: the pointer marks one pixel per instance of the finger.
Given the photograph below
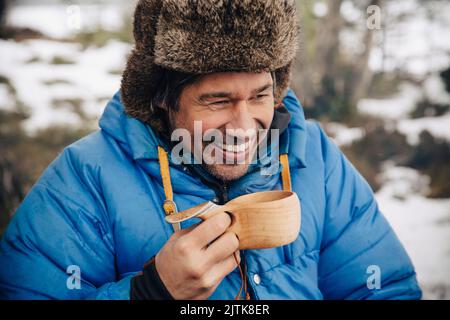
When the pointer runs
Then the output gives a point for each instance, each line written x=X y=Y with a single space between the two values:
x=222 y=247
x=185 y=231
x=209 y=230
x=229 y=264
x=222 y=269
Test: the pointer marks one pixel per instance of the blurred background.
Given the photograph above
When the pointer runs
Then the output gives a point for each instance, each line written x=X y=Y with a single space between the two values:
x=375 y=73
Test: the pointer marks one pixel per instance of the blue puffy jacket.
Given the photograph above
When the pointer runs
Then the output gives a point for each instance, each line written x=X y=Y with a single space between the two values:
x=98 y=206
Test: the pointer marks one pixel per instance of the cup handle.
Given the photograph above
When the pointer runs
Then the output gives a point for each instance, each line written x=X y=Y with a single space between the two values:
x=202 y=211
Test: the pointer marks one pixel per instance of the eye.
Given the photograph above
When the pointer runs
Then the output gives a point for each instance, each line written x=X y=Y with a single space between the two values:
x=261 y=96
x=219 y=103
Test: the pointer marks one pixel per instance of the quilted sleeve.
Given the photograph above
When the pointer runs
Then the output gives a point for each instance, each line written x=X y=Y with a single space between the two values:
x=59 y=244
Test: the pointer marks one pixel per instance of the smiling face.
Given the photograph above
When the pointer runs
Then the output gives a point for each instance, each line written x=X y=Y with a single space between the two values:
x=236 y=104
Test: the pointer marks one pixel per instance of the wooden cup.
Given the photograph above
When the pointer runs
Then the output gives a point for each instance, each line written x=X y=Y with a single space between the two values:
x=260 y=220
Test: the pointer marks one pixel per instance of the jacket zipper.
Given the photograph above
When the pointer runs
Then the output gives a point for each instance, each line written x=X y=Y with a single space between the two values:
x=221 y=190
x=224 y=195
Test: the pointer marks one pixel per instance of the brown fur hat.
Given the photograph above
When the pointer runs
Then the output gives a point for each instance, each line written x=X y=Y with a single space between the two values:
x=205 y=36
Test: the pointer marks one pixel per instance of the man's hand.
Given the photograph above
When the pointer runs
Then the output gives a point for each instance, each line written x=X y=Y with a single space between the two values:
x=195 y=260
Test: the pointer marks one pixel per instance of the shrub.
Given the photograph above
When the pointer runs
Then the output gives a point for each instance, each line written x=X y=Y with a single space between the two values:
x=432 y=157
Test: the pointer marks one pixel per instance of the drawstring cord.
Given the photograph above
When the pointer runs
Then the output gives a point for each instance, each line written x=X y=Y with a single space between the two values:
x=243 y=275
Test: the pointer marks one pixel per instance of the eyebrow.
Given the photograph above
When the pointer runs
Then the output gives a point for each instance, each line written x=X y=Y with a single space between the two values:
x=224 y=94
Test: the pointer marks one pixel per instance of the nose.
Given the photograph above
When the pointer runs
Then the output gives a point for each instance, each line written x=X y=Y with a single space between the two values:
x=242 y=118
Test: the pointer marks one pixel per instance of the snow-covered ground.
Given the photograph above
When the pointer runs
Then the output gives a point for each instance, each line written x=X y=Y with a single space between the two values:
x=396 y=109
x=93 y=75
x=437 y=126
x=342 y=135
x=85 y=75
x=52 y=76
x=422 y=225
x=62 y=21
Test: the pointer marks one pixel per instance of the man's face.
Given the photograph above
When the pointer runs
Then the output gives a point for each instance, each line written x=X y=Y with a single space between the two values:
x=236 y=104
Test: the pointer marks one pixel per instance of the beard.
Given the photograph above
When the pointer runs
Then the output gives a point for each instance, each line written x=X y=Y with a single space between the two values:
x=226 y=172
x=236 y=167
x=219 y=168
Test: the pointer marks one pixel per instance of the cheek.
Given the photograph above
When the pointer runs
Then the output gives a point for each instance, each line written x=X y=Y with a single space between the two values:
x=264 y=114
x=188 y=121
x=213 y=123
x=184 y=119
x=210 y=119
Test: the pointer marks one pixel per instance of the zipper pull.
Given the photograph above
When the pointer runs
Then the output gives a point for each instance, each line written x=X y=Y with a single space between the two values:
x=225 y=194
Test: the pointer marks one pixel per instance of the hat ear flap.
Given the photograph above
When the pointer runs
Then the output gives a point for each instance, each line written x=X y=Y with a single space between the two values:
x=139 y=82
x=146 y=17
x=282 y=80
x=141 y=75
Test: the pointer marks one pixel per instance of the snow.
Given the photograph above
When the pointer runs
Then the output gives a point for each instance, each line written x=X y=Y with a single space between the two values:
x=409 y=40
x=320 y=9
x=422 y=225
x=350 y=12
x=5 y=98
x=437 y=126
x=396 y=107
x=410 y=43
x=51 y=20
x=88 y=78
x=343 y=135
x=38 y=82
x=63 y=21
x=46 y=50
x=418 y=46
x=434 y=90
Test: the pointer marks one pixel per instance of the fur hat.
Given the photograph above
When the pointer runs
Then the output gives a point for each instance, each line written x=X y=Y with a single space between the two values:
x=205 y=36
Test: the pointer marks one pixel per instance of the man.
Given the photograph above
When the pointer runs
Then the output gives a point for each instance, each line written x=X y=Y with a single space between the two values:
x=93 y=226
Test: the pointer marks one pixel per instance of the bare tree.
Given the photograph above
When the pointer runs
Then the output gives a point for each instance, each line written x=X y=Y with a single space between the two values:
x=362 y=73
x=329 y=82
x=3 y=7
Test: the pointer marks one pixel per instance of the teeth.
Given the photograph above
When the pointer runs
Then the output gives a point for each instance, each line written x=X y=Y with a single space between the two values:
x=233 y=148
